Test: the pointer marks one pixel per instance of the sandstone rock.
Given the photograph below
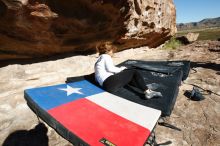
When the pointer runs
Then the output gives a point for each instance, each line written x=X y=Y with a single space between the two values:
x=15 y=4
x=188 y=38
x=30 y=30
x=192 y=37
x=42 y=10
x=3 y=8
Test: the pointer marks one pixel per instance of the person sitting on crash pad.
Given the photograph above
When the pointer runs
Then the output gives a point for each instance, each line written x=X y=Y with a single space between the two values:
x=112 y=78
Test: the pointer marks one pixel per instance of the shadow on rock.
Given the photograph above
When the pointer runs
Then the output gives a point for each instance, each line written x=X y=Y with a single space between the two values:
x=4 y=63
x=208 y=65
x=34 y=137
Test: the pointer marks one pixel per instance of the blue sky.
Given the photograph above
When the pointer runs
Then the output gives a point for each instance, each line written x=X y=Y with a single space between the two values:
x=196 y=10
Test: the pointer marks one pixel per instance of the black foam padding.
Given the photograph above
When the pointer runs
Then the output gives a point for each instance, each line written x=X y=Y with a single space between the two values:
x=168 y=85
x=167 y=67
x=166 y=76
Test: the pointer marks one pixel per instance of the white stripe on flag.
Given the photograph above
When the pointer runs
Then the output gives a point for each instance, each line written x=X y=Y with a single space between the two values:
x=139 y=114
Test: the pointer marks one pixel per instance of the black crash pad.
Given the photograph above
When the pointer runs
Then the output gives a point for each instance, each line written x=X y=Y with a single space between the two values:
x=163 y=76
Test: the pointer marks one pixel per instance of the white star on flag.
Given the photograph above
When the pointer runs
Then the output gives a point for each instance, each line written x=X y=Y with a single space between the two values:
x=70 y=90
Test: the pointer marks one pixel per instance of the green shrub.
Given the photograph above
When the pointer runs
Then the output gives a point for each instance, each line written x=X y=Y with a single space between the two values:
x=172 y=44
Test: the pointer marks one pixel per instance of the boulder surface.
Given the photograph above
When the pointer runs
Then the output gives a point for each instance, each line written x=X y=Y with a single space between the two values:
x=31 y=29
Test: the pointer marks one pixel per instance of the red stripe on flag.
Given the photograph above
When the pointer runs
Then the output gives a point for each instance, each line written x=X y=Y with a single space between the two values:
x=91 y=123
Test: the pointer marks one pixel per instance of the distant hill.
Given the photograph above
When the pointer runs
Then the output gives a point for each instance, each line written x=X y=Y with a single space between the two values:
x=205 y=23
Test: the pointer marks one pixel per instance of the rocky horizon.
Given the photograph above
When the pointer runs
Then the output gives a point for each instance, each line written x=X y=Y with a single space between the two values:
x=204 y=23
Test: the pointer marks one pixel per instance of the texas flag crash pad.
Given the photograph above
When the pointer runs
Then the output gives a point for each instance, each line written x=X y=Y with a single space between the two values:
x=85 y=114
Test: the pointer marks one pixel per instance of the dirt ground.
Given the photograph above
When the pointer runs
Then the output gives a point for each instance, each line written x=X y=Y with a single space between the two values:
x=199 y=121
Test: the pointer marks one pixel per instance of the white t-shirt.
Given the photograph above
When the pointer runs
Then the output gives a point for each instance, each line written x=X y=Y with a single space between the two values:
x=104 y=68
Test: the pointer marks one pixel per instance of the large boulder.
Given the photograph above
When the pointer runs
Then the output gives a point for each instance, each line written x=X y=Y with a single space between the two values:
x=188 y=38
x=30 y=29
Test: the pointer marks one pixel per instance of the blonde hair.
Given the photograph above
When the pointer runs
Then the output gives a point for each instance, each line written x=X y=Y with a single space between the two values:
x=105 y=47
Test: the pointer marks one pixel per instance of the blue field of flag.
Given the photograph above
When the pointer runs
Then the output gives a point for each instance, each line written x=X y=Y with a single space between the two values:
x=53 y=96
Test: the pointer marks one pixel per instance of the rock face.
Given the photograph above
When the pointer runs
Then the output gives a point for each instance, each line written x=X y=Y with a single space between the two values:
x=30 y=29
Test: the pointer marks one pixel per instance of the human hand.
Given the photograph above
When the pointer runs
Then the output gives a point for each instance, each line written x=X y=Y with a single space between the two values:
x=123 y=67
